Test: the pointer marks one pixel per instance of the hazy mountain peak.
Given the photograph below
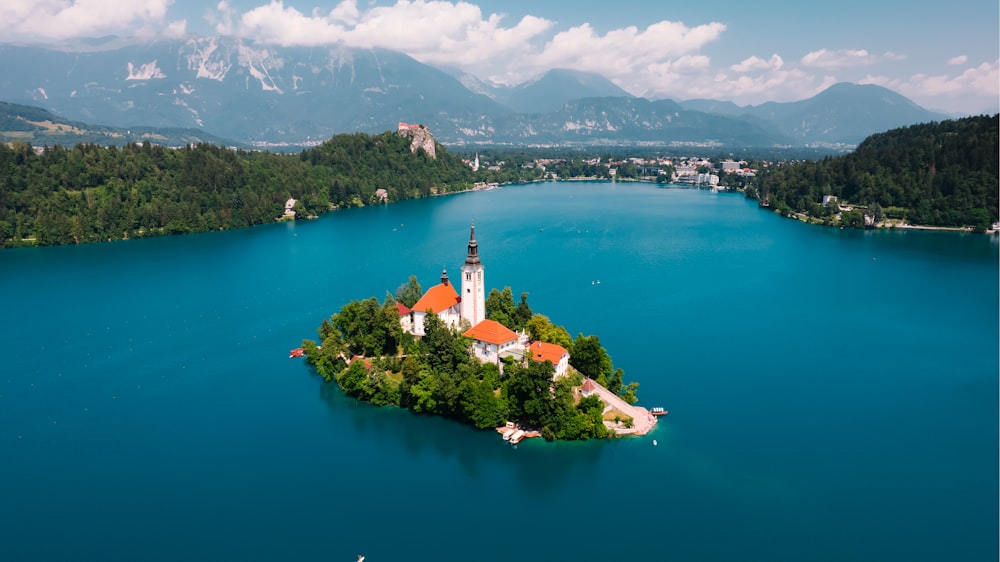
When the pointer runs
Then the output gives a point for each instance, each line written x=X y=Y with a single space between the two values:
x=251 y=92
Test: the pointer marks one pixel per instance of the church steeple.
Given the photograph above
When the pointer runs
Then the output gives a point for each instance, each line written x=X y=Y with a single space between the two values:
x=472 y=258
x=473 y=284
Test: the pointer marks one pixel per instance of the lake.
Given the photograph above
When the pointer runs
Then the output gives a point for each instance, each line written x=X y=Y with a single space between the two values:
x=832 y=393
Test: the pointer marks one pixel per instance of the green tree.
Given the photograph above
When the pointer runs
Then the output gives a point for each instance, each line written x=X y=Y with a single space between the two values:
x=540 y=328
x=522 y=314
x=500 y=307
x=410 y=292
x=588 y=357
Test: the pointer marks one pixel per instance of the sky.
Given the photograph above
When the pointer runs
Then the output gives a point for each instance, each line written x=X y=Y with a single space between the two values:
x=944 y=56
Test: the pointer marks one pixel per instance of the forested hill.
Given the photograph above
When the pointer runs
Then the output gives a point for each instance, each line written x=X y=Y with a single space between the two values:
x=941 y=174
x=92 y=193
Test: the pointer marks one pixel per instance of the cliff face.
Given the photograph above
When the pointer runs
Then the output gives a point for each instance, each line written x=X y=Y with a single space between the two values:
x=420 y=137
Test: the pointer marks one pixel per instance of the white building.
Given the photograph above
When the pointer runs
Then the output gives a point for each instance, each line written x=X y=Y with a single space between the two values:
x=492 y=340
x=450 y=306
x=441 y=299
x=557 y=354
x=473 y=290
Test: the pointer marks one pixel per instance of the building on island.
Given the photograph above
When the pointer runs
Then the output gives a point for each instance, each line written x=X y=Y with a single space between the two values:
x=405 y=317
x=441 y=299
x=492 y=340
x=557 y=354
x=473 y=293
x=467 y=310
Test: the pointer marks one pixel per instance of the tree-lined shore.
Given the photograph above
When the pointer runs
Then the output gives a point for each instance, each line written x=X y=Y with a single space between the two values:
x=943 y=174
x=91 y=193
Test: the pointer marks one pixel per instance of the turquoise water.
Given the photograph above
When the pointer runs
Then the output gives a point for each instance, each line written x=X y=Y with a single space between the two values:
x=833 y=394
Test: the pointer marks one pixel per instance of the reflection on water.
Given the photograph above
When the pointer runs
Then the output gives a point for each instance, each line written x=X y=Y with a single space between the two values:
x=540 y=467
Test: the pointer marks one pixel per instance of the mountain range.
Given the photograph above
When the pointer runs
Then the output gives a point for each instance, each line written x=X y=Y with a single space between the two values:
x=271 y=96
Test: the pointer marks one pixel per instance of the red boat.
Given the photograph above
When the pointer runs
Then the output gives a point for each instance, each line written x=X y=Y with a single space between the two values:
x=297 y=352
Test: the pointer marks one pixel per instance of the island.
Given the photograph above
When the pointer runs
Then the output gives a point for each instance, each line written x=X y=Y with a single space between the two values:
x=453 y=351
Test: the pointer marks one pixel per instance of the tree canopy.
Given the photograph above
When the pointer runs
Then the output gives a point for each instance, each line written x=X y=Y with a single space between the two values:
x=90 y=193
x=942 y=174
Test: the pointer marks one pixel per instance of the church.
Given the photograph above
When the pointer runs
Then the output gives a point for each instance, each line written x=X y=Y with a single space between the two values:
x=466 y=308
x=451 y=306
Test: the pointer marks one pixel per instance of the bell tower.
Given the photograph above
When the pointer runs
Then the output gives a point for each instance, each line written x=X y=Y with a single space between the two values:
x=473 y=284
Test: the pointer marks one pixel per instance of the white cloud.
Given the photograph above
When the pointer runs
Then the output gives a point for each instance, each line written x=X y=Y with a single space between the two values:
x=222 y=18
x=622 y=52
x=846 y=58
x=958 y=61
x=756 y=63
x=459 y=34
x=61 y=19
x=977 y=86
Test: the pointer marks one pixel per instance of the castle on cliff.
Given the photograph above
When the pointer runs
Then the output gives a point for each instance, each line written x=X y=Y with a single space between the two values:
x=421 y=137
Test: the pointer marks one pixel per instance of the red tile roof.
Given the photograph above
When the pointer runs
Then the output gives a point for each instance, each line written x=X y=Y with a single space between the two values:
x=588 y=386
x=491 y=331
x=542 y=351
x=437 y=298
x=402 y=308
x=367 y=362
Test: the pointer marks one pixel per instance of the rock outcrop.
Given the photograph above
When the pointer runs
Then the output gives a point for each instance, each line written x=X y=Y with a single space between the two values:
x=420 y=137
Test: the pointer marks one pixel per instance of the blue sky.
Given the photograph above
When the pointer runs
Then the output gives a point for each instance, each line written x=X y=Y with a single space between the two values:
x=944 y=55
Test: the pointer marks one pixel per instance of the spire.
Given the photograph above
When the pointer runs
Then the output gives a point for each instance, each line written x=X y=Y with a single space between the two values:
x=444 y=276
x=472 y=258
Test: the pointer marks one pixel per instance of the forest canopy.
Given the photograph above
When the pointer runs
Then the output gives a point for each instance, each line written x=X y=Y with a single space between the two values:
x=939 y=174
x=91 y=193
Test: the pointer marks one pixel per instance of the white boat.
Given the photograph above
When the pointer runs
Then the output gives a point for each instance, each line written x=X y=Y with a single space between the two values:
x=506 y=434
x=516 y=438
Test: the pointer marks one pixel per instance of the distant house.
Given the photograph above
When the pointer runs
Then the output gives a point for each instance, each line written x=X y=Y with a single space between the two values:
x=290 y=208
x=382 y=195
x=557 y=354
x=827 y=199
x=492 y=340
x=729 y=166
x=588 y=388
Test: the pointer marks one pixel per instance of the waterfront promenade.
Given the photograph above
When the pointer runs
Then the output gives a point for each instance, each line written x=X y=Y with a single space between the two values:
x=642 y=419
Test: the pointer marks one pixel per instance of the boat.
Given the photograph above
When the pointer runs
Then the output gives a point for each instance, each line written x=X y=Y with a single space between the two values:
x=507 y=434
x=516 y=437
x=297 y=352
x=657 y=411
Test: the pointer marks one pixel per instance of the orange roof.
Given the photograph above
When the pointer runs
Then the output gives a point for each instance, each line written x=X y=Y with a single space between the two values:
x=437 y=298
x=543 y=351
x=491 y=331
x=589 y=386
x=367 y=362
